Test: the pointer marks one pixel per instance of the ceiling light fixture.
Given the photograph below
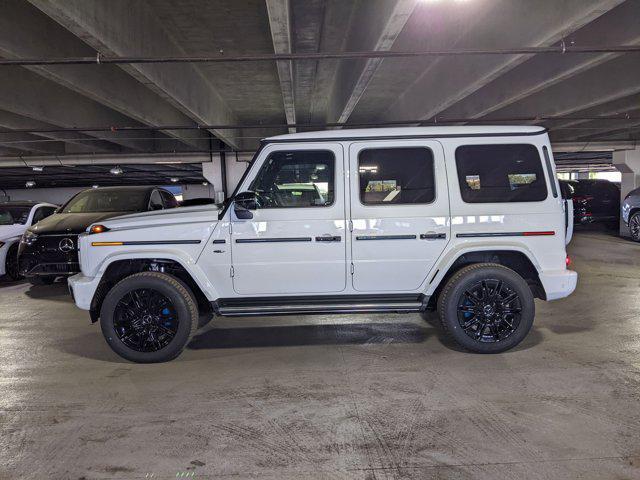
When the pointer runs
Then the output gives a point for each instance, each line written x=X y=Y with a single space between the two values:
x=174 y=179
x=30 y=184
x=37 y=168
x=116 y=170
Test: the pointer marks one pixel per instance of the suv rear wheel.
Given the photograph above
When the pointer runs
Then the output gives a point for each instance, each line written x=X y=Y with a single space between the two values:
x=149 y=317
x=634 y=227
x=486 y=308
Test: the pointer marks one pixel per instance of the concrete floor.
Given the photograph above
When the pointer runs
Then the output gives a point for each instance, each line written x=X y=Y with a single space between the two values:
x=369 y=397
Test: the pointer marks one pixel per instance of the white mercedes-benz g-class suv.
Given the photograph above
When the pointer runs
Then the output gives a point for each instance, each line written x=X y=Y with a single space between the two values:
x=468 y=221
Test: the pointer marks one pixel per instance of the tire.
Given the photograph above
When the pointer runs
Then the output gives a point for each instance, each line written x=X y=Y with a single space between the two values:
x=39 y=281
x=634 y=227
x=149 y=317
x=469 y=299
x=11 y=264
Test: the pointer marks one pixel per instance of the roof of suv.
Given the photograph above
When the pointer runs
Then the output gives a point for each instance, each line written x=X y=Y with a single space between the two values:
x=407 y=132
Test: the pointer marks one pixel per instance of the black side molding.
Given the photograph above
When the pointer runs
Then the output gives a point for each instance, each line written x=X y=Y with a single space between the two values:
x=273 y=240
x=386 y=237
x=506 y=234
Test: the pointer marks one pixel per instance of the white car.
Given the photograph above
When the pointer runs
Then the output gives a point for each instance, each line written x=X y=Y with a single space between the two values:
x=15 y=218
x=465 y=220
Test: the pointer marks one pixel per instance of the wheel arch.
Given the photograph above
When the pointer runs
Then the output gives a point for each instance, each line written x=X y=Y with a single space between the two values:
x=517 y=259
x=119 y=268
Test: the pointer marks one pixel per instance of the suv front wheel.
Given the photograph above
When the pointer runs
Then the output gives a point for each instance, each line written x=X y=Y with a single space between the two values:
x=149 y=317
x=486 y=308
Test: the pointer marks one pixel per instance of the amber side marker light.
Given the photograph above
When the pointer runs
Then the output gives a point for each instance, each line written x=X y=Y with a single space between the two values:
x=106 y=244
x=98 y=229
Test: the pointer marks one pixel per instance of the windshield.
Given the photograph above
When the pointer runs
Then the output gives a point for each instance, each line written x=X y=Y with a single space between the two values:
x=96 y=201
x=13 y=215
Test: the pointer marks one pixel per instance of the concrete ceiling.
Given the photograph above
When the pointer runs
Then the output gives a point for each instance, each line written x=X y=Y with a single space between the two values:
x=477 y=88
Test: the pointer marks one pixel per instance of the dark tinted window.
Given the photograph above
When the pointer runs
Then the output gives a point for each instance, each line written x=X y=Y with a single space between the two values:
x=11 y=215
x=392 y=176
x=108 y=201
x=500 y=173
x=168 y=199
x=42 y=213
x=297 y=178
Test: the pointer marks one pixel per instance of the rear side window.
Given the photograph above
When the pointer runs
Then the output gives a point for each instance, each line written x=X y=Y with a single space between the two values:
x=500 y=173
x=393 y=176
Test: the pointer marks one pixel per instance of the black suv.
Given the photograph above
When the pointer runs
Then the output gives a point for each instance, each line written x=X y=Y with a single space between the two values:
x=593 y=201
x=49 y=249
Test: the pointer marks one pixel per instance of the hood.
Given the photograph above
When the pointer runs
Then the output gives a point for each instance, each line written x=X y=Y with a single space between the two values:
x=70 y=222
x=10 y=231
x=173 y=216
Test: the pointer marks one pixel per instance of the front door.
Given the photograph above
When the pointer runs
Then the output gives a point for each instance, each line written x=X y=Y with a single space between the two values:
x=295 y=242
x=399 y=212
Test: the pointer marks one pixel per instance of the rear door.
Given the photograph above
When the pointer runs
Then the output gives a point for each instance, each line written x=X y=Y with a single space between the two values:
x=399 y=210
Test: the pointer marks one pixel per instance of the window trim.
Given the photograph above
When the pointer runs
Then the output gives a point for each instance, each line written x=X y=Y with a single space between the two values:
x=455 y=158
x=547 y=160
x=397 y=147
x=335 y=179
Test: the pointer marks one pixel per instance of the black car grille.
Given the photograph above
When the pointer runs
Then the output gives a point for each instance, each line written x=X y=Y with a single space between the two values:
x=51 y=254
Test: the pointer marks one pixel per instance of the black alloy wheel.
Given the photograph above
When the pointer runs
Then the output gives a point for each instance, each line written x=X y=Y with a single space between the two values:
x=486 y=308
x=11 y=264
x=634 y=227
x=145 y=320
x=489 y=311
x=149 y=317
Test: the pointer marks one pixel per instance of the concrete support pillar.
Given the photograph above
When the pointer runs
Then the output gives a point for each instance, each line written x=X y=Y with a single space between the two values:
x=212 y=172
x=628 y=163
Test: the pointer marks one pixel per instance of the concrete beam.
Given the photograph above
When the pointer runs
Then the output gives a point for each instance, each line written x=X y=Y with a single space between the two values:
x=279 y=12
x=458 y=77
x=123 y=28
x=30 y=143
x=613 y=80
x=27 y=32
x=378 y=26
x=73 y=140
x=619 y=26
x=60 y=106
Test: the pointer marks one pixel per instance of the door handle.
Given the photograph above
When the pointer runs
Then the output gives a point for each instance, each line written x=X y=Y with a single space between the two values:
x=328 y=238
x=432 y=236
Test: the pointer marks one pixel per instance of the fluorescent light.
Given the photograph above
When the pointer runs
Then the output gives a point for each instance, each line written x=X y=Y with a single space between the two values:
x=30 y=184
x=174 y=179
x=116 y=170
x=37 y=168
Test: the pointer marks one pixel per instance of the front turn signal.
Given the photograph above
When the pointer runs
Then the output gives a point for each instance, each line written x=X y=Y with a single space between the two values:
x=98 y=229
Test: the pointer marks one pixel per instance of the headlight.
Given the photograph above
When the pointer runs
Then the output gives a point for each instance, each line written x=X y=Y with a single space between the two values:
x=29 y=238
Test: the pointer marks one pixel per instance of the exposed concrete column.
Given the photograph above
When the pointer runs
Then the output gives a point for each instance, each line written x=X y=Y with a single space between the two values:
x=628 y=163
x=212 y=171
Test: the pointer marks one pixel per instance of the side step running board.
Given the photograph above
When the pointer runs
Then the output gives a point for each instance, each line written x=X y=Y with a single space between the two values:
x=373 y=307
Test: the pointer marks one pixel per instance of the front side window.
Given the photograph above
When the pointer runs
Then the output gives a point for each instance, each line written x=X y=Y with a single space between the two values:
x=500 y=173
x=296 y=178
x=392 y=176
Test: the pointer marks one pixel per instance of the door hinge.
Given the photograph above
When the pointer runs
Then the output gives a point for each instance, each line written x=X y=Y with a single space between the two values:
x=351 y=225
x=231 y=272
x=352 y=269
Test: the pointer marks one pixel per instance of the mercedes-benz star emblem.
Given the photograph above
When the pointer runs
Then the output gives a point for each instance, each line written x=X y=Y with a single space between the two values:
x=66 y=245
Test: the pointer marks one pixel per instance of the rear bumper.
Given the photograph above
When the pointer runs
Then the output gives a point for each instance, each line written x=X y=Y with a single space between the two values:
x=559 y=283
x=83 y=289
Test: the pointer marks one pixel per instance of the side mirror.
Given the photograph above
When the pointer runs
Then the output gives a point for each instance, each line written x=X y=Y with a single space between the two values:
x=243 y=203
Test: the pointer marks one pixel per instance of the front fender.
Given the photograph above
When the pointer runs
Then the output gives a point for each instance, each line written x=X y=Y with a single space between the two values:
x=181 y=257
